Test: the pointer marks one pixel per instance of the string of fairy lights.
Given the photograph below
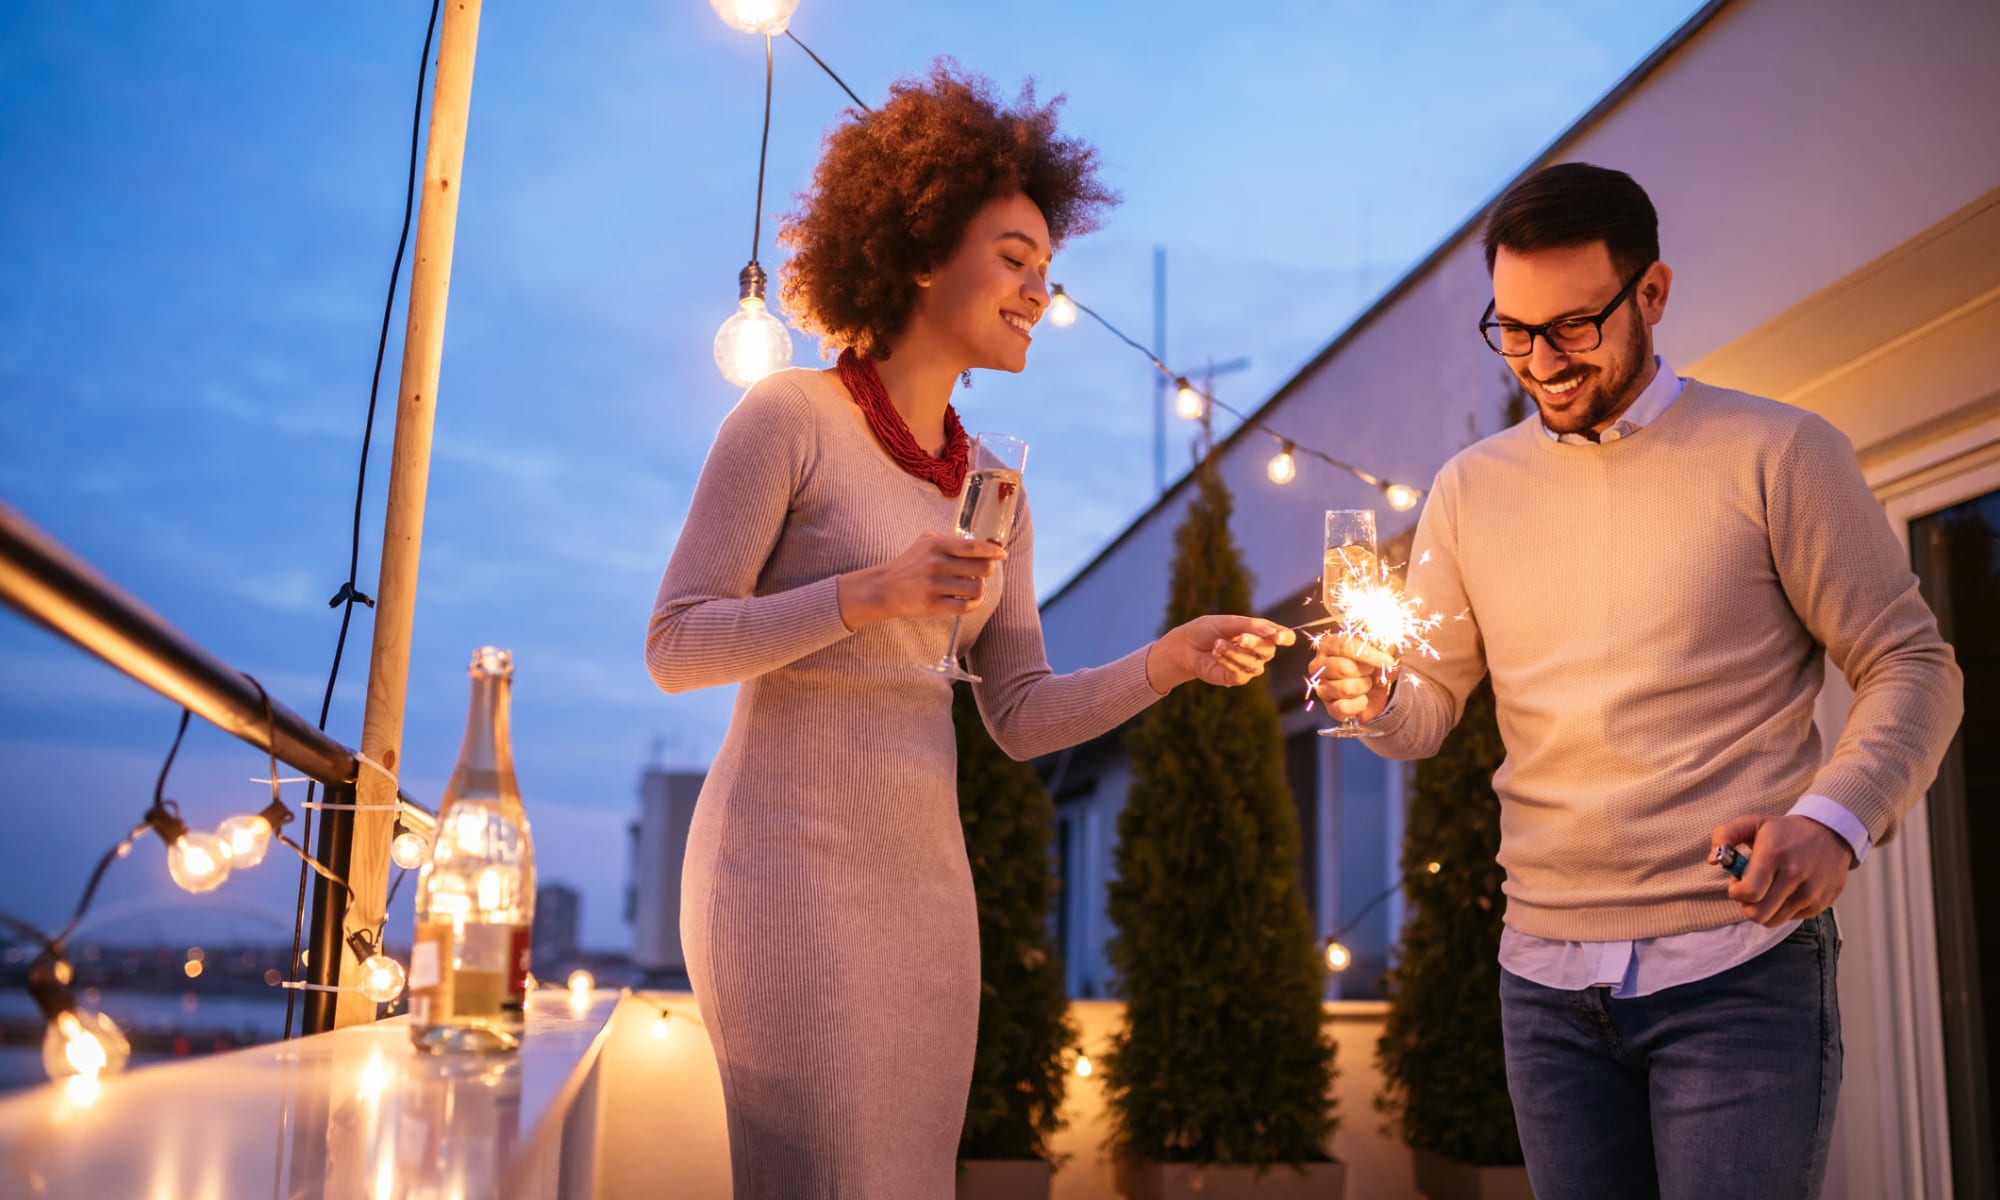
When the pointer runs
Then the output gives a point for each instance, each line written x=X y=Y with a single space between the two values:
x=753 y=342
x=81 y=1044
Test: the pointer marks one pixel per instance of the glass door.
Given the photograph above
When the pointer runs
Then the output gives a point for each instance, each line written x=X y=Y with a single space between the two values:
x=1956 y=554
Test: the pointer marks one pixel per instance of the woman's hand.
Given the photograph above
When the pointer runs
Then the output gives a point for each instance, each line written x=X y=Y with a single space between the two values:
x=1222 y=650
x=1351 y=677
x=941 y=574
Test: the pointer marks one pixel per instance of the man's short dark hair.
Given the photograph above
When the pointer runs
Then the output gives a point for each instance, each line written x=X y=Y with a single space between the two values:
x=1574 y=204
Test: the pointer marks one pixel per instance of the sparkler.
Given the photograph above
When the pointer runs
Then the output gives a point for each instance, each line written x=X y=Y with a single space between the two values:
x=1373 y=610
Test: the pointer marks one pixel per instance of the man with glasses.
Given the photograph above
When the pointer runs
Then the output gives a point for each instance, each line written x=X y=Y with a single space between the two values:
x=1653 y=569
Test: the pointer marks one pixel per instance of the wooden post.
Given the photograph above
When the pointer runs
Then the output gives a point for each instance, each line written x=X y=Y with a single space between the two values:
x=409 y=471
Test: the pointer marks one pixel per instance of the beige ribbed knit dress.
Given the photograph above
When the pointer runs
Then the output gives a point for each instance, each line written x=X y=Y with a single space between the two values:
x=827 y=907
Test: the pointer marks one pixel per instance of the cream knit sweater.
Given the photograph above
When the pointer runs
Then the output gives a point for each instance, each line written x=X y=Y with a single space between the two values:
x=1656 y=613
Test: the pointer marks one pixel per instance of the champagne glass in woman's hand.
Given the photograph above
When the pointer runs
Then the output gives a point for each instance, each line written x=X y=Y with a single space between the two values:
x=986 y=509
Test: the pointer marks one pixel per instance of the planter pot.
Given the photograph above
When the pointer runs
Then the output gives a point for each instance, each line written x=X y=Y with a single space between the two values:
x=1442 y=1178
x=1003 y=1179
x=1139 y=1180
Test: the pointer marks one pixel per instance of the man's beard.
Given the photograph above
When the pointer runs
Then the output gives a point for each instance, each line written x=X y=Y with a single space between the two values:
x=1610 y=392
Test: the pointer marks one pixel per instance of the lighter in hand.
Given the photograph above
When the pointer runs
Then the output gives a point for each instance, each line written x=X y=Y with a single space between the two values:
x=1733 y=859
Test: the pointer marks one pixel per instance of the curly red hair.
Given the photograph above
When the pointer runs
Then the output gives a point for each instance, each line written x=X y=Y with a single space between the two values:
x=895 y=189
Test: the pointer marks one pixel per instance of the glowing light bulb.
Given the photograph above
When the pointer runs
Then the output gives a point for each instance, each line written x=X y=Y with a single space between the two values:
x=247 y=838
x=581 y=984
x=752 y=344
x=1337 y=957
x=1062 y=309
x=199 y=862
x=1283 y=468
x=1189 y=403
x=1402 y=498
x=382 y=978
x=81 y=1042
x=409 y=850
x=660 y=1028
x=755 y=16
x=1434 y=868
x=1083 y=1067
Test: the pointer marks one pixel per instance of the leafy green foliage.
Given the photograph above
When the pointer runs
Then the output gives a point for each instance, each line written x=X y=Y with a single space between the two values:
x=1025 y=1032
x=1224 y=1057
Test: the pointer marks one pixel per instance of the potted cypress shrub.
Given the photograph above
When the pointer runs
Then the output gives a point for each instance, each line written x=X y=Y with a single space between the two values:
x=1219 y=1083
x=1443 y=1067
x=1018 y=1076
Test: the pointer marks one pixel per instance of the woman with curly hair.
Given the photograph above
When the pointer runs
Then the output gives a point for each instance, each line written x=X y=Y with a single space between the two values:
x=826 y=904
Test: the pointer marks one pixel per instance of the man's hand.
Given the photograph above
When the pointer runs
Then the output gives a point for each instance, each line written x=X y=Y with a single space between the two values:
x=1797 y=867
x=1351 y=677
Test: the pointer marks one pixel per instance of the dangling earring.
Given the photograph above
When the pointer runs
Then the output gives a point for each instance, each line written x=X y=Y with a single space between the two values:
x=965 y=379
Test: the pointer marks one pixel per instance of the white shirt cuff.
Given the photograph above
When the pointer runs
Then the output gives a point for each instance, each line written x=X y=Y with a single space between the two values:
x=1834 y=816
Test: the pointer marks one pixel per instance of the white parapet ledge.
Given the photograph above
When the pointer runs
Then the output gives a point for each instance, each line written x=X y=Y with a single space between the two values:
x=356 y=1112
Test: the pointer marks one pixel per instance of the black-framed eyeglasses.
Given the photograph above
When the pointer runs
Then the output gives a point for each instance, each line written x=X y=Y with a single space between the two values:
x=1571 y=335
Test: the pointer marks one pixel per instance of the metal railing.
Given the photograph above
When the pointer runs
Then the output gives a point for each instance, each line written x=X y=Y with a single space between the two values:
x=49 y=584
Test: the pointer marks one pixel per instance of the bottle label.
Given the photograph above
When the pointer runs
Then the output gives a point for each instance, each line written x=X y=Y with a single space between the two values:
x=521 y=957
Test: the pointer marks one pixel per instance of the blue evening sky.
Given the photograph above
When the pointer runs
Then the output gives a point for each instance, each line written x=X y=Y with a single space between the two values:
x=199 y=201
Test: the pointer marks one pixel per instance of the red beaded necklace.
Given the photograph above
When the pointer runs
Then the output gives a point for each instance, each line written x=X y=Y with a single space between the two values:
x=864 y=383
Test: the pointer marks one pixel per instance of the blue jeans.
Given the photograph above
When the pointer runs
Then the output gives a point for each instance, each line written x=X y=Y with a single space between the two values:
x=1720 y=1088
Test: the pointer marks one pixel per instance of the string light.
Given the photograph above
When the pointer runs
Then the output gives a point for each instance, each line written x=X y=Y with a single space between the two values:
x=1283 y=467
x=1337 y=957
x=409 y=850
x=768 y=17
x=382 y=978
x=199 y=862
x=660 y=1026
x=1402 y=497
x=1083 y=1067
x=248 y=838
x=581 y=983
x=1188 y=403
x=78 y=1041
x=1062 y=310
x=752 y=343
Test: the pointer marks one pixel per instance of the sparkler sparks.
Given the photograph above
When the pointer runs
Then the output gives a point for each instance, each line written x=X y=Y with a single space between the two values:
x=1373 y=610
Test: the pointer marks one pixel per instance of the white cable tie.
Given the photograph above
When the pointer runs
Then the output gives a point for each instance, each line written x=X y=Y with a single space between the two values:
x=366 y=761
x=355 y=807
x=315 y=987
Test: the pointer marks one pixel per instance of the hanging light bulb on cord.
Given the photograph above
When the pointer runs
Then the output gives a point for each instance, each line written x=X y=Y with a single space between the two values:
x=1401 y=497
x=752 y=343
x=78 y=1042
x=1189 y=403
x=199 y=862
x=409 y=850
x=1283 y=468
x=1337 y=957
x=769 y=17
x=381 y=978
x=248 y=838
x=1062 y=309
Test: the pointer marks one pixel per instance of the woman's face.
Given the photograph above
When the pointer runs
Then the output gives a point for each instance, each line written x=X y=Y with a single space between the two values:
x=982 y=303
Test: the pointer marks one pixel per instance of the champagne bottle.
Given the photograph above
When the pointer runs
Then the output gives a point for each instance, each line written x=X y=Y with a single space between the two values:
x=476 y=895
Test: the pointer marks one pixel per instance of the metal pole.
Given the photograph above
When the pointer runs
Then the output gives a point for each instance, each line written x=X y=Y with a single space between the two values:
x=409 y=470
x=1159 y=380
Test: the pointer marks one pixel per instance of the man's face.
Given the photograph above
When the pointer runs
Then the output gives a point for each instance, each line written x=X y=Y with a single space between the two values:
x=1579 y=390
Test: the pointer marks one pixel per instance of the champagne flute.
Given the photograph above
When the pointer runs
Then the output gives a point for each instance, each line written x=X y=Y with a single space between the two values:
x=986 y=510
x=1350 y=567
